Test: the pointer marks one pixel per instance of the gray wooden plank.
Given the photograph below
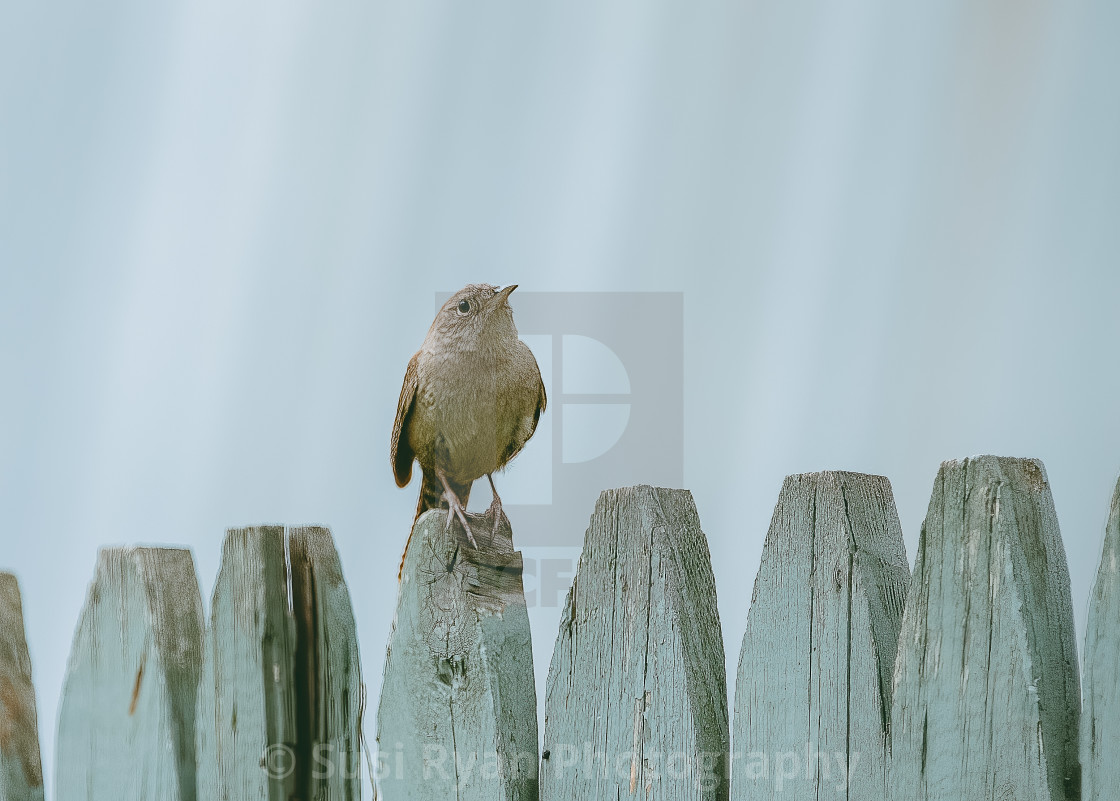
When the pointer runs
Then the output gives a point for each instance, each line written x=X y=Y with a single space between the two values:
x=327 y=665
x=278 y=705
x=457 y=716
x=814 y=683
x=245 y=702
x=21 y=773
x=636 y=696
x=1100 y=716
x=126 y=718
x=986 y=699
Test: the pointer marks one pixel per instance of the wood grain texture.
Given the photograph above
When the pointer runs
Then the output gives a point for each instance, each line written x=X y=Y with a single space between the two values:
x=813 y=690
x=636 y=699
x=278 y=708
x=458 y=711
x=126 y=719
x=21 y=773
x=987 y=698
x=327 y=668
x=1100 y=716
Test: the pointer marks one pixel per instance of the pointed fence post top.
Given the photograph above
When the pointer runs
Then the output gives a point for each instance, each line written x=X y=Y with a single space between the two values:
x=21 y=772
x=636 y=698
x=132 y=679
x=280 y=697
x=1100 y=716
x=814 y=683
x=987 y=651
x=457 y=717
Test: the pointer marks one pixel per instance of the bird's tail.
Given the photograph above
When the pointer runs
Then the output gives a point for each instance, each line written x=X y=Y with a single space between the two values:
x=431 y=497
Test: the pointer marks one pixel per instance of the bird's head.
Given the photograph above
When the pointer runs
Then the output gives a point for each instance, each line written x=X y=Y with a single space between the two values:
x=477 y=316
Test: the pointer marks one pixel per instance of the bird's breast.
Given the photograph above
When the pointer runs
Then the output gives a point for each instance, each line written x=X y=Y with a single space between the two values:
x=469 y=412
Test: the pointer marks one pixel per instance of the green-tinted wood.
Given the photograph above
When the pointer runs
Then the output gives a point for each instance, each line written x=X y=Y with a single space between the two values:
x=278 y=705
x=328 y=666
x=21 y=774
x=126 y=721
x=1100 y=717
x=458 y=711
x=636 y=698
x=246 y=698
x=986 y=699
x=813 y=691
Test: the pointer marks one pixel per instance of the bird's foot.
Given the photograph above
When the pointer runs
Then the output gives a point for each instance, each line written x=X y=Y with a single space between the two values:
x=455 y=508
x=495 y=508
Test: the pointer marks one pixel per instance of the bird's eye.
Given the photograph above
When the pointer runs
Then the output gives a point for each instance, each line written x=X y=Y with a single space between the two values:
x=464 y=307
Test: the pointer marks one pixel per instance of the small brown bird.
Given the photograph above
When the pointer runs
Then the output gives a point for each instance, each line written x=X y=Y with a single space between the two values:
x=472 y=397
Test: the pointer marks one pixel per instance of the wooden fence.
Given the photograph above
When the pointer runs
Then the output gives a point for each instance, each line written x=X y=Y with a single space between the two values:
x=856 y=680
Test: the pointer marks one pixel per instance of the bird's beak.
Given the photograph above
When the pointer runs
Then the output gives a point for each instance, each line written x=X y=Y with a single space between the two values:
x=503 y=296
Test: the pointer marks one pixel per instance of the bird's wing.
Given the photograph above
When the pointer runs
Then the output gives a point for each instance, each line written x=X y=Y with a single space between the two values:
x=542 y=399
x=526 y=425
x=400 y=453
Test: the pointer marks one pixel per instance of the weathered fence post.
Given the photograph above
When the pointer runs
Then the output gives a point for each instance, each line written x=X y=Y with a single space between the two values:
x=986 y=689
x=813 y=691
x=1100 y=717
x=21 y=774
x=636 y=699
x=278 y=708
x=458 y=711
x=126 y=722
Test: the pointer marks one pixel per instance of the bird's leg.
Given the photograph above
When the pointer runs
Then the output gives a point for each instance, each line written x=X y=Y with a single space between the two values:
x=495 y=507
x=454 y=507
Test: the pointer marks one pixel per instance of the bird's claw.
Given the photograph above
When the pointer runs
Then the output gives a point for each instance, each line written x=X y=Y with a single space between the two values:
x=455 y=509
x=455 y=506
x=494 y=509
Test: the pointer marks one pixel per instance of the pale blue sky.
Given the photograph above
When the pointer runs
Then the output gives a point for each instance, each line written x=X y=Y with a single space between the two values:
x=222 y=226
